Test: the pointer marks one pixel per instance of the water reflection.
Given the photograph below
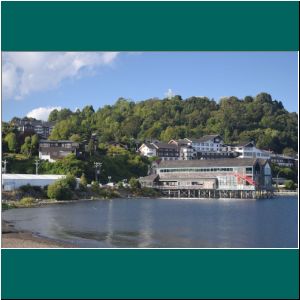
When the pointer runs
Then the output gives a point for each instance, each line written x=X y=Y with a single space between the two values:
x=167 y=223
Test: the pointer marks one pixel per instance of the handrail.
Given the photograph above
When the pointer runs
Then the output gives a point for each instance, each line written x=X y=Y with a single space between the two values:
x=247 y=178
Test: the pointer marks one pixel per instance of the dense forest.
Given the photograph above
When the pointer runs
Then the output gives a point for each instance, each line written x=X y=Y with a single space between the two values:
x=259 y=118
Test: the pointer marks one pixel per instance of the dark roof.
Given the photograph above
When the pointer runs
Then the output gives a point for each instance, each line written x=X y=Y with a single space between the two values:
x=149 y=145
x=205 y=138
x=58 y=141
x=149 y=178
x=165 y=145
x=243 y=144
x=179 y=142
x=226 y=162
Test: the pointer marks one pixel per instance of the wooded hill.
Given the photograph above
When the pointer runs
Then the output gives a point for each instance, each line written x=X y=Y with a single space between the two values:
x=259 y=118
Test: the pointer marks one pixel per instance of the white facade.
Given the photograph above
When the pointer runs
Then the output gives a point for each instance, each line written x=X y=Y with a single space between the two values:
x=148 y=150
x=251 y=152
x=211 y=143
x=14 y=181
x=45 y=157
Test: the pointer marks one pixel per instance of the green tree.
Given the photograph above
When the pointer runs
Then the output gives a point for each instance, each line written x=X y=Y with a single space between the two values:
x=11 y=141
x=26 y=147
x=134 y=183
x=34 y=144
x=289 y=151
x=289 y=185
x=59 y=190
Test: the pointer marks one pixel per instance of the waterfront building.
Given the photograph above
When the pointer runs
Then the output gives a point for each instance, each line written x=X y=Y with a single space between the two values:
x=249 y=150
x=228 y=178
x=52 y=150
x=12 y=182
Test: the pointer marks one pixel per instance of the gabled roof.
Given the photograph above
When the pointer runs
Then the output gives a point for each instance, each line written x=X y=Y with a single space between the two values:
x=179 y=142
x=244 y=144
x=165 y=146
x=226 y=162
x=149 y=178
x=205 y=138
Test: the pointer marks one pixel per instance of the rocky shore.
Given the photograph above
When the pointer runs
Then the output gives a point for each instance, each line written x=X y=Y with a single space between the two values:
x=12 y=238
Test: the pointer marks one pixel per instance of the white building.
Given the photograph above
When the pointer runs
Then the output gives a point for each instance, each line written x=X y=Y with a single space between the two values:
x=186 y=152
x=14 y=181
x=208 y=143
x=249 y=150
x=148 y=149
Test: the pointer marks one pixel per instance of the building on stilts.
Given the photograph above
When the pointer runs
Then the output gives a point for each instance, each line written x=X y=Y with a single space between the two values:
x=218 y=178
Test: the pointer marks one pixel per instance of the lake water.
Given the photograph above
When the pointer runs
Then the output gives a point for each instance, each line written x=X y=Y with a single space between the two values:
x=166 y=223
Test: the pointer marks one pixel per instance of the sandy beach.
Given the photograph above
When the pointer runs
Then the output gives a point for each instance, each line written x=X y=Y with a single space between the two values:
x=11 y=238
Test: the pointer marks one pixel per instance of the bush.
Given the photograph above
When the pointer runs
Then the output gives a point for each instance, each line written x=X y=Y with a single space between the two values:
x=26 y=201
x=134 y=183
x=289 y=185
x=59 y=190
x=70 y=181
x=95 y=187
x=32 y=191
x=30 y=188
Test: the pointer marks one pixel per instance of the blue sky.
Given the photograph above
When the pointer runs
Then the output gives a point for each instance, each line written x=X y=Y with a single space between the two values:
x=39 y=81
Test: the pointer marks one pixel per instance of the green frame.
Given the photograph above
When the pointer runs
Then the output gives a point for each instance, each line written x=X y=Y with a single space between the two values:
x=150 y=273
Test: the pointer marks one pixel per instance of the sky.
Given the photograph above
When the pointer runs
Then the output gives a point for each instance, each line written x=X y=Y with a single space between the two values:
x=34 y=83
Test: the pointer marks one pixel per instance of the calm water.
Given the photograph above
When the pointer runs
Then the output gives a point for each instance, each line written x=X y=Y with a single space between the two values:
x=175 y=223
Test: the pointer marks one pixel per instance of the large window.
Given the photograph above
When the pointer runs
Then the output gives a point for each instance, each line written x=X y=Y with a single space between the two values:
x=191 y=170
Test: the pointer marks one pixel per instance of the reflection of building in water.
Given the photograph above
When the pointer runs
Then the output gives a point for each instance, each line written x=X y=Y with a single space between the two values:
x=228 y=178
x=146 y=225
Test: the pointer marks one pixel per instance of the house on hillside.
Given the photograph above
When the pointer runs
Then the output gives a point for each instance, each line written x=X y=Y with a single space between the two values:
x=249 y=150
x=53 y=150
x=163 y=151
x=27 y=125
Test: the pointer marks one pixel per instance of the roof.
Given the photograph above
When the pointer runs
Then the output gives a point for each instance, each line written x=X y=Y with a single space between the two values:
x=149 y=178
x=243 y=144
x=30 y=176
x=226 y=162
x=58 y=141
x=205 y=138
x=179 y=142
x=149 y=145
x=165 y=145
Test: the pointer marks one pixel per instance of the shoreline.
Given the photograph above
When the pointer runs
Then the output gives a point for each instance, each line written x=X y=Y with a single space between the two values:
x=13 y=238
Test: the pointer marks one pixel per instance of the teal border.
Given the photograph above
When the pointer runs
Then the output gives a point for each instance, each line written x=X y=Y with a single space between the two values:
x=150 y=26
x=149 y=274
x=146 y=26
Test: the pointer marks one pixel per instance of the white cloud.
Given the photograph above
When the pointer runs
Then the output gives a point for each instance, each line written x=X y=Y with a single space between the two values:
x=27 y=72
x=42 y=113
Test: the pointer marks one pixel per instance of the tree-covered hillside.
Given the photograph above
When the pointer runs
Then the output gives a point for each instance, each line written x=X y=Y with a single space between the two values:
x=258 y=118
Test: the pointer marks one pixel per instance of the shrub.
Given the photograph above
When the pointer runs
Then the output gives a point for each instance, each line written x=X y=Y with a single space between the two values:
x=70 y=181
x=59 y=190
x=26 y=201
x=134 y=183
x=289 y=185
x=95 y=187
x=83 y=180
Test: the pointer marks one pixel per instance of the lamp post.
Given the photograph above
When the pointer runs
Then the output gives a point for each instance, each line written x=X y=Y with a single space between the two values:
x=37 y=163
x=97 y=169
x=4 y=167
